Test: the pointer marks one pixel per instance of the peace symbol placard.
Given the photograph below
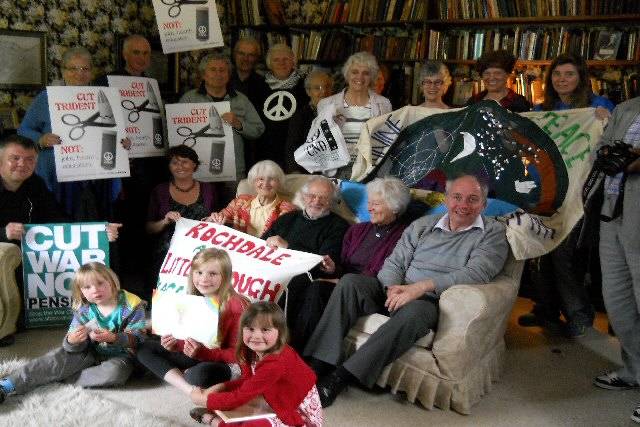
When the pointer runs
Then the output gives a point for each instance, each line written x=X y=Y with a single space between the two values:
x=279 y=106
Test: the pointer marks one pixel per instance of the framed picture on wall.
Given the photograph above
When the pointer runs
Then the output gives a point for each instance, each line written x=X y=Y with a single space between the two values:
x=9 y=118
x=23 y=61
x=164 y=68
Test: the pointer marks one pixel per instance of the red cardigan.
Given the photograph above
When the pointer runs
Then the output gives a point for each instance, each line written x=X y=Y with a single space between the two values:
x=238 y=212
x=229 y=328
x=283 y=379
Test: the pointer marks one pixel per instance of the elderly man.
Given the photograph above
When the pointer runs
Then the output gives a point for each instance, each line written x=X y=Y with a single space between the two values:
x=136 y=52
x=24 y=198
x=246 y=54
x=313 y=229
x=318 y=85
x=215 y=70
x=434 y=253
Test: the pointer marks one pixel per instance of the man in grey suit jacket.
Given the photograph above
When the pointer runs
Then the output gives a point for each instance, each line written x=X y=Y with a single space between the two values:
x=434 y=253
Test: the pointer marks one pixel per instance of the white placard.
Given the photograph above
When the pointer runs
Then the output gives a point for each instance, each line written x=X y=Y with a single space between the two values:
x=89 y=121
x=199 y=126
x=143 y=113
x=259 y=272
x=187 y=25
x=185 y=316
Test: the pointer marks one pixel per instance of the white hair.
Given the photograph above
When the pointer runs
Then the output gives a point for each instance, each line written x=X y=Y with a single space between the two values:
x=366 y=59
x=75 y=52
x=280 y=47
x=393 y=191
x=298 y=199
x=266 y=169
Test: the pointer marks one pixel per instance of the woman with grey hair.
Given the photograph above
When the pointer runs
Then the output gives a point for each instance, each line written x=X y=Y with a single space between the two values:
x=254 y=214
x=434 y=82
x=285 y=95
x=81 y=200
x=364 y=248
x=355 y=104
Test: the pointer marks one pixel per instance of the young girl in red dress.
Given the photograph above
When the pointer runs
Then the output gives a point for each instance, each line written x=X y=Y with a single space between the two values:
x=271 y=369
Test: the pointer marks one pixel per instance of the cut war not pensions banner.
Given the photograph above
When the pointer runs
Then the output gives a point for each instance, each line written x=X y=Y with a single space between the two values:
x=537 y=161
x=259 y=272
x=51 y=255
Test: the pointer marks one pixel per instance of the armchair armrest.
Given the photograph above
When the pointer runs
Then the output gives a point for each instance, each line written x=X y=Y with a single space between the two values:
x=473 y=319
x=10 y=258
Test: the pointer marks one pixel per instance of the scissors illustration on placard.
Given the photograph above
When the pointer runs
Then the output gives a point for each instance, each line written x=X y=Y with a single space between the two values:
x=102 y=118
x=214 y=126
x=176 y=5
x=149 y=105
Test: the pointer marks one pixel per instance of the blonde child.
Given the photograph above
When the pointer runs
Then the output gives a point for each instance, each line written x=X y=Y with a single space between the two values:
x=210 y=276
x=107 y=327
x=270 y=368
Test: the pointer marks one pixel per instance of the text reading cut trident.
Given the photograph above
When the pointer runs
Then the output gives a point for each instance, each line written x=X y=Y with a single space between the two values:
x=102 y=118
x=149 y=105
x=215 y=126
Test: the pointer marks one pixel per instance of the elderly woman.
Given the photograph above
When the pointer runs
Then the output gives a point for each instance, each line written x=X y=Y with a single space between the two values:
x=318 y=85
x=356 y=104
x=364 y=249
x=81 y=200
x=285 y=95
x=255 y=214
x=434 y=82
x=495 y=67
x=215 y=70
x=182 y=197
x=559 y=275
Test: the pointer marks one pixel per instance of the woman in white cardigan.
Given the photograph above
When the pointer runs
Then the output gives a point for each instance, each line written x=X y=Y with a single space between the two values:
x=357 y=103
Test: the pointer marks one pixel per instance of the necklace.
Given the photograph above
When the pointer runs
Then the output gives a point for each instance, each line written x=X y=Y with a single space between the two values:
x=382 y=230
x=184 y=190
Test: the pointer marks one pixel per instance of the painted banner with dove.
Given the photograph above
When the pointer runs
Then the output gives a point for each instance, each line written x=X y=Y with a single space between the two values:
x=90 y=124
x=200 y=126
x=536 y=161
x=143 y=112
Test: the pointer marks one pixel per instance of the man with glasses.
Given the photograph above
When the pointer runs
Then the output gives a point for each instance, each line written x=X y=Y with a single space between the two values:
x=313 y=229
x=244 y=79
x=434 y=253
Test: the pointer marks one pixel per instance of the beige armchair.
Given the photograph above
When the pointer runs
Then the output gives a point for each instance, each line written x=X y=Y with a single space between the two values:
x=10 y=302
x=457 y=365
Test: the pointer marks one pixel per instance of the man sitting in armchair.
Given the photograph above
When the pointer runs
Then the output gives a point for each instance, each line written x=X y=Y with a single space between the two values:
x=434 y=253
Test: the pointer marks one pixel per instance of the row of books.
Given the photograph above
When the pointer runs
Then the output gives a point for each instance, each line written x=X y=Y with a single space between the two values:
x=337 y=45
x=475 y=9
x=535 y=43
x=350 y=11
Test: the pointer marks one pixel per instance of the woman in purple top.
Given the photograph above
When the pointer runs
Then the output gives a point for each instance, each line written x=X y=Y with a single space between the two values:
x=365 y=247
x=182 y=197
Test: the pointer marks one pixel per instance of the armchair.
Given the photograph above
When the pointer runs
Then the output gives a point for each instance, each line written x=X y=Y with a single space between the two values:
x=10 y=302
x=455 y=366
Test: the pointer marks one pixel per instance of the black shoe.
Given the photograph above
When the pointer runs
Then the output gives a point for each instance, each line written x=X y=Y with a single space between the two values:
x=319 y=367
x=329 y=388
x=8 y=340
x=3 y=395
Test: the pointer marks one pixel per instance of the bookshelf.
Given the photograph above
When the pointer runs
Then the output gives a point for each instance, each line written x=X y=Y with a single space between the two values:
x=403 y=33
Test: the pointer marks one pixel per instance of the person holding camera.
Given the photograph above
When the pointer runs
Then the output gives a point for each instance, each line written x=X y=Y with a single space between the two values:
x=620 y=243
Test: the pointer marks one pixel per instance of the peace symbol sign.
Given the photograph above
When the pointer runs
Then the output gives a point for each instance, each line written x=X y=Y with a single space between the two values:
x=279 y=111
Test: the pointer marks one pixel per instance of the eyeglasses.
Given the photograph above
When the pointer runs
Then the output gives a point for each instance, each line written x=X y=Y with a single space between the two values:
x=26 y=160
x=78 y=69
x=319 y=197
x=434 y=83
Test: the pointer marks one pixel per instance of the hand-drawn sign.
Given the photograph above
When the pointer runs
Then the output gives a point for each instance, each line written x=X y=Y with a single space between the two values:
x=279 y=111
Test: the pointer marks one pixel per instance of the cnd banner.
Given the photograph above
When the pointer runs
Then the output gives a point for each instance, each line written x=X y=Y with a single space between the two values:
x=143 y=112
x=89 y=122
x=51 y=255
x=199 y=126
x=187 y=25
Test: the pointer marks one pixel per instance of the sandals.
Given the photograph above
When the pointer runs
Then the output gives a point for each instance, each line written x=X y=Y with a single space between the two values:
x=198 y=413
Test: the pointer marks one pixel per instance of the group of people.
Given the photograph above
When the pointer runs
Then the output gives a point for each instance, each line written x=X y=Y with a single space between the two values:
x=394 y=263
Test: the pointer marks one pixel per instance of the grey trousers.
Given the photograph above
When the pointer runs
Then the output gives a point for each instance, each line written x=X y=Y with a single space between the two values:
x=620 y=262
x=82 y=368
x=355 y=296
